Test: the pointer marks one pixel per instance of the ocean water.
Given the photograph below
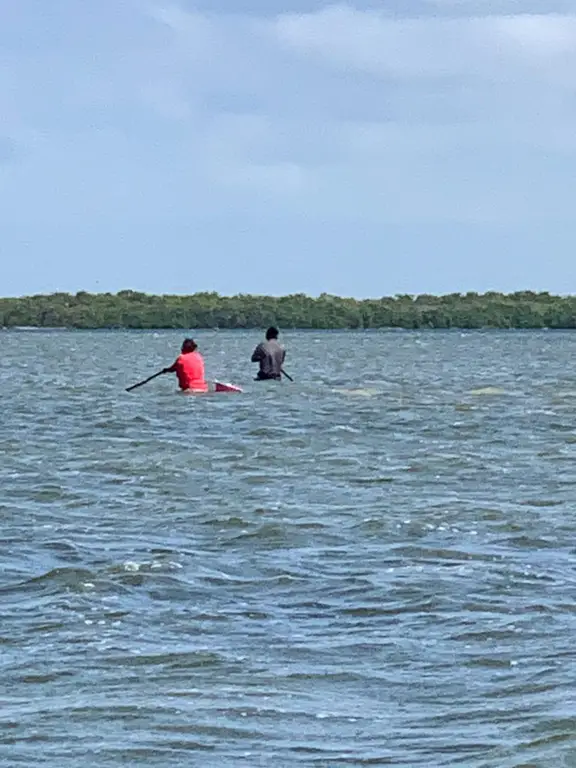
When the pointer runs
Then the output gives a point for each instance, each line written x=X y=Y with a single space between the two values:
x=373 y=565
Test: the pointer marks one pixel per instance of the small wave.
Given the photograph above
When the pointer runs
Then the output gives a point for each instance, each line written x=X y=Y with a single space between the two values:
x=358 y=391
x=53 y=581
x=541 y=503
x=372 y=480
x=487 y=391
x=269 y=535
x=168 y=659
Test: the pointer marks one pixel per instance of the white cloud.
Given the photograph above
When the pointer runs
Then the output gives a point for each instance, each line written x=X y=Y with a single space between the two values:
x=339 y=113
x=494 y=47
x=502 y=77
x=501 y=7
x=535 y=36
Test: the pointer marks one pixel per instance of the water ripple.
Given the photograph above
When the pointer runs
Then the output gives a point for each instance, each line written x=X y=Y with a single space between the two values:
x=371 y=566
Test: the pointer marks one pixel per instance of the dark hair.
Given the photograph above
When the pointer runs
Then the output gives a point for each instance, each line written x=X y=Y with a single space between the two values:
x=189 y=345
x=271 y=333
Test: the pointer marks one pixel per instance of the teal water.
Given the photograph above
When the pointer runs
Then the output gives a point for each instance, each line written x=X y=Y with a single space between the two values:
x=374 y=565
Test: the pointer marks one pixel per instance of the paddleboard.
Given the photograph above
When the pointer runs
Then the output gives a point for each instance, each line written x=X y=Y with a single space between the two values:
x=220 y=386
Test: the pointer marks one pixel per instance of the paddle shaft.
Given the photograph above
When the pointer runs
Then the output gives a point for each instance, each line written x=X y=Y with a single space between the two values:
x=141 y=383
x=285 y=374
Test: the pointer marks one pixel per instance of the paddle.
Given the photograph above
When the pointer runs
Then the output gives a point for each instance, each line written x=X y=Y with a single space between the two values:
x=285 y=374
x=140 y=383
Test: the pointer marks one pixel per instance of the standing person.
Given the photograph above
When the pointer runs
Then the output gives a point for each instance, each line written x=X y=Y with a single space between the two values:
x=189 y=368
x=270 y=354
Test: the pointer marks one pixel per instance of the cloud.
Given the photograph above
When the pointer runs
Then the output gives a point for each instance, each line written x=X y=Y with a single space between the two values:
x=449 y=116
x=341 y=113
x=319 y=133
x=500 y=7
x=497 y=48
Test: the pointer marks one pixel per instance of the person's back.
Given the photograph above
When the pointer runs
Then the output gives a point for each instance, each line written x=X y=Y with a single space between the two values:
x=189 y=368
x=190 y=371
x=270 y=355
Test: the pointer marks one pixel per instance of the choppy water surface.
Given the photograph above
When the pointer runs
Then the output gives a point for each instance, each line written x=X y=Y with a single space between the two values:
x=374 y=565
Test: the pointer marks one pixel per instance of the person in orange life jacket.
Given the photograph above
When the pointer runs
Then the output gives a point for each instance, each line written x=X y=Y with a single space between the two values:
x=189 y=368
x=270 y=355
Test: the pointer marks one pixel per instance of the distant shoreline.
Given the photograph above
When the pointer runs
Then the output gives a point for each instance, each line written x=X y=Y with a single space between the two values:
x=132 y=310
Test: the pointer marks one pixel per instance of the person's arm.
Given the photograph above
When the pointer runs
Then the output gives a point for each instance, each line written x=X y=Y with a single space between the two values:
x=172 y=368
x=258 y=354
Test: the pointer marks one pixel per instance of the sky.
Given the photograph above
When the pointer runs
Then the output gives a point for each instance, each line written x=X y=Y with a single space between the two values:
x=361 y=148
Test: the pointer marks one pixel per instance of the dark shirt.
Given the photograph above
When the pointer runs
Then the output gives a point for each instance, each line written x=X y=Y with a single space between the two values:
x=271 y=356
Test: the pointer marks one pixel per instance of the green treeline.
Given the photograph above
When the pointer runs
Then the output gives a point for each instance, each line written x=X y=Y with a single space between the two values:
x=130 y=309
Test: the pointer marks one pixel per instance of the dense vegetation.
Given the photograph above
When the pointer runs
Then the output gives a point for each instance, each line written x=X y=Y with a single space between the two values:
x=130 y=309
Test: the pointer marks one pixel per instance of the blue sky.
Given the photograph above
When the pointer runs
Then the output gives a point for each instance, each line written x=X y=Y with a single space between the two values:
x=274 y=146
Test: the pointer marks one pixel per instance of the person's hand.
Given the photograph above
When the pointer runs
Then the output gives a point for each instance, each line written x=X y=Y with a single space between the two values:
x=166 y=370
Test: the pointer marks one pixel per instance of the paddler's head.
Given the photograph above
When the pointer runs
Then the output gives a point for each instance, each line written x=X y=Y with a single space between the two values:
x=189 y=345
x=271 y=333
